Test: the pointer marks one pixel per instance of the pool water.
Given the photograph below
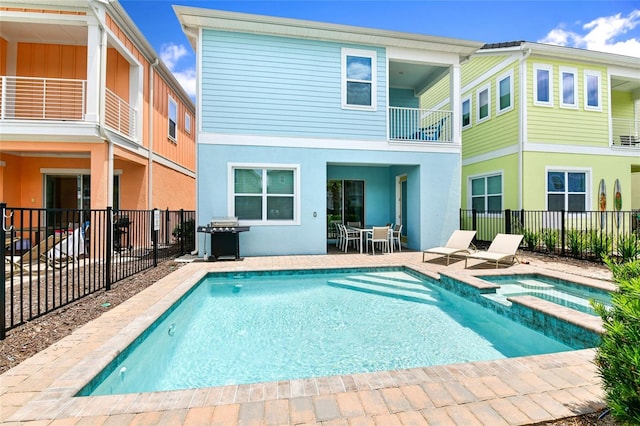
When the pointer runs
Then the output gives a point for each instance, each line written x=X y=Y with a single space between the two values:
x=268 y=327
x=553 y=290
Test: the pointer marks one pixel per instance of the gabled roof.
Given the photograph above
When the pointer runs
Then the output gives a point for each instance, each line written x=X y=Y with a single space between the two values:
x=194 y=18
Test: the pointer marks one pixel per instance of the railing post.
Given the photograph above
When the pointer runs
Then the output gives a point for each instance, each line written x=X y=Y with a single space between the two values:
x=3 y=290
x=474 y=220
x=183 y=231
x=507 y=221
x=562 y=232
x=108 y=248
x=167 y=226
x=155 y=220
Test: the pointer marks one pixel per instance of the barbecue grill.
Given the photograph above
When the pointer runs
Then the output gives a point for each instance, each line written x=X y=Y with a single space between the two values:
x=225 y=238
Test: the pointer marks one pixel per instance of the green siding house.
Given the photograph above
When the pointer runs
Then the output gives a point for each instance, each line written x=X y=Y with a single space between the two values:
x=542 y=125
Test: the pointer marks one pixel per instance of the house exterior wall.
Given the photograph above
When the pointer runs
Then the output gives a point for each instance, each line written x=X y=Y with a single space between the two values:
x=268 y=85
x=507 y=166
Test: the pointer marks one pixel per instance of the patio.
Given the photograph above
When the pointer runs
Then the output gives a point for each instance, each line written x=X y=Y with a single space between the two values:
x=509 y=391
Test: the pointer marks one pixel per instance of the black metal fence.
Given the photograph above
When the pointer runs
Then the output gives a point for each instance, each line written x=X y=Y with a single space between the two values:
x=53 y=257
x=585 y=235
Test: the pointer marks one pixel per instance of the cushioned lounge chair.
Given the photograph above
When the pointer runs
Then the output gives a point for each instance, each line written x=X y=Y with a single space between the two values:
x=458 y=243
x=502 y=248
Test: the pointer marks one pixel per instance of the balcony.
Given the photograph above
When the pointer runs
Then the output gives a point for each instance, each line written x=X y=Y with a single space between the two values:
x=420 y=125
x=56 y=99
x=626 y=133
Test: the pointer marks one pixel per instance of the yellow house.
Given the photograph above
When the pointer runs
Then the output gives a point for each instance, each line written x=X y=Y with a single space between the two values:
x=90 y=117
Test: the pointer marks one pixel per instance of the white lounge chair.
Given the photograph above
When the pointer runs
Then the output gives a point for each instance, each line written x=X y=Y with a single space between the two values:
x=459 y=243
x=503 y=247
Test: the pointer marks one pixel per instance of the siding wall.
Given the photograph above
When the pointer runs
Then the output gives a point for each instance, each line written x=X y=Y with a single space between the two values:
x=265 y=85
x=622 y=105
x=477 y=66
x=565 y=125
x=51 y=60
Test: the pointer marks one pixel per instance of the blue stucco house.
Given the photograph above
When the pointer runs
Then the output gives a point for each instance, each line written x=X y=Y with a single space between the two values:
x=303 y=124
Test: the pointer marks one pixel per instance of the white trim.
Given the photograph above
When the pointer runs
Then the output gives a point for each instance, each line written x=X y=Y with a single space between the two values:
x=371 y=54
x=487 y=88
x=297 y=194
x=64 y=171
x=588 y=150
x=549 y=69
x=509 y=75
x=348 y=144
x=486 y=175
x=598 y=75
x=570 y=169
x=172 y=165
x=491 y=155
x=567 y=70
x=465 y=99
x=175 y=137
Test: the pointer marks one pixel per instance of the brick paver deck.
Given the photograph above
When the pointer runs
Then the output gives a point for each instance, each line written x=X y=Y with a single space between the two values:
x=514 y=391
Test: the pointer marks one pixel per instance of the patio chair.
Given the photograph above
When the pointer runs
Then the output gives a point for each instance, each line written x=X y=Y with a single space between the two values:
x=458 y=243
x=347 y=236
x=378 y=234
x=394 y=237
x=34 y=255
x=503 y=247
x=69 y=248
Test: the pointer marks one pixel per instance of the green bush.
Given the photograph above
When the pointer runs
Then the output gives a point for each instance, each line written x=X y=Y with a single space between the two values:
x=575 y=242
x=187 y=233
x=599 y=243
x=628 y=247
x=531 y=238
x=550 y=239
x=618 y=356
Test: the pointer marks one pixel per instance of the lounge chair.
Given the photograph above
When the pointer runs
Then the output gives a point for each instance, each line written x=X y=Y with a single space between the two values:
x=34 y=255
x=458 y=243
x=69 y=248
x=503 y=247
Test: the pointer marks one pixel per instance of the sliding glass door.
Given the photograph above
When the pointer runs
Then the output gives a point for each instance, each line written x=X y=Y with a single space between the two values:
x=345 y=204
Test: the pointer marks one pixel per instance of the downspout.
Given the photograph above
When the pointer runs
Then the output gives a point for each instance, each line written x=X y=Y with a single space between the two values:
x=523 y=124
x=151 y=103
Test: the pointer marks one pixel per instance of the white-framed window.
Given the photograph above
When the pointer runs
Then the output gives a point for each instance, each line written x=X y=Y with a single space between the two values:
x=483 y=103
x=486 y=192
x=567 y=190
x=466 y=112
x=187 y=122
x=359 y=79
x=173 y=119
x=542 y=85
x=592 y=90
x=568 y=87
x=265 y=194
x=504 y=93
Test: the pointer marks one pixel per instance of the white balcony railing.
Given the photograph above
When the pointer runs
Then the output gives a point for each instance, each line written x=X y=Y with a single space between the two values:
x=120 y=116
x=27 y=98
x=419 y=125
x=626 y=132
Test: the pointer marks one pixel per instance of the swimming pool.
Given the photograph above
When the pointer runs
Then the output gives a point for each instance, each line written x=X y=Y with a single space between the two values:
x=255 y=327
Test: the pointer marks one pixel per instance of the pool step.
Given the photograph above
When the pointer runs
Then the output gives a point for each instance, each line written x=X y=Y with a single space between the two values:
x=381 y=289
x=390 y=283
x=535 y=284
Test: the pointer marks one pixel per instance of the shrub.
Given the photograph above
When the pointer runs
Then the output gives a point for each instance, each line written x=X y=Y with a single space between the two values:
x=628 y=247
x=550 y=239
x=575 y=242
x=618 y=356
x=187 y=232
x=599 y=243
x=531 y=238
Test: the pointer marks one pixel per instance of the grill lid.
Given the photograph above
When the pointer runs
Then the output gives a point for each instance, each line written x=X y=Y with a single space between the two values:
x=223 y=221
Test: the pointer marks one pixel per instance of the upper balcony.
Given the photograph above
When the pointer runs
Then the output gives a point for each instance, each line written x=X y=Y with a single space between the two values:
x=55 y=99
x=626 y=133
x=420 y=125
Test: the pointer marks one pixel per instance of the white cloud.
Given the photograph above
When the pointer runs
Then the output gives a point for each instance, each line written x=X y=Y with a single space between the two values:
x=603 y=34
x=171 y=54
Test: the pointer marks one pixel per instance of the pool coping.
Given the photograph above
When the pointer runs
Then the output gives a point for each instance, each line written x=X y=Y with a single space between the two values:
x=519 y=390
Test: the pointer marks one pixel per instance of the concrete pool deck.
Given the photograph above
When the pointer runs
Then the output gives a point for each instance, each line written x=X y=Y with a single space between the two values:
x=514 y=391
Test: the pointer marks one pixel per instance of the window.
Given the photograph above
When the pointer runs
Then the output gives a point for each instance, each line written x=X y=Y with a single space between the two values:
x=466 y=112
x=567 y=190
x=486 y=193
x=173 y=119
x=568 y=87
x=265 y=194
x=358 y=79
x=542 y=84
x=592 y=90
x=504 y=98
x=483 y=101
x=187 y=122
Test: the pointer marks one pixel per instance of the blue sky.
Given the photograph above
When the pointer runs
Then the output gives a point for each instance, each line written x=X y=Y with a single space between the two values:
x=612 y=26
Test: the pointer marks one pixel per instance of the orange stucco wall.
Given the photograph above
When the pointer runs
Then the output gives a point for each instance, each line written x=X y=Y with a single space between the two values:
x=172 y=190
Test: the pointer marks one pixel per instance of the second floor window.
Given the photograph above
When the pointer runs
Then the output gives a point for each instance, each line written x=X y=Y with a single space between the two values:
x=187 y=123
x=466 y=112
x=505 y=93
x=592 y=90
x=482 y=102
x=568 y=88
x=542 y=84
x=173 y=119
x=358 y=79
